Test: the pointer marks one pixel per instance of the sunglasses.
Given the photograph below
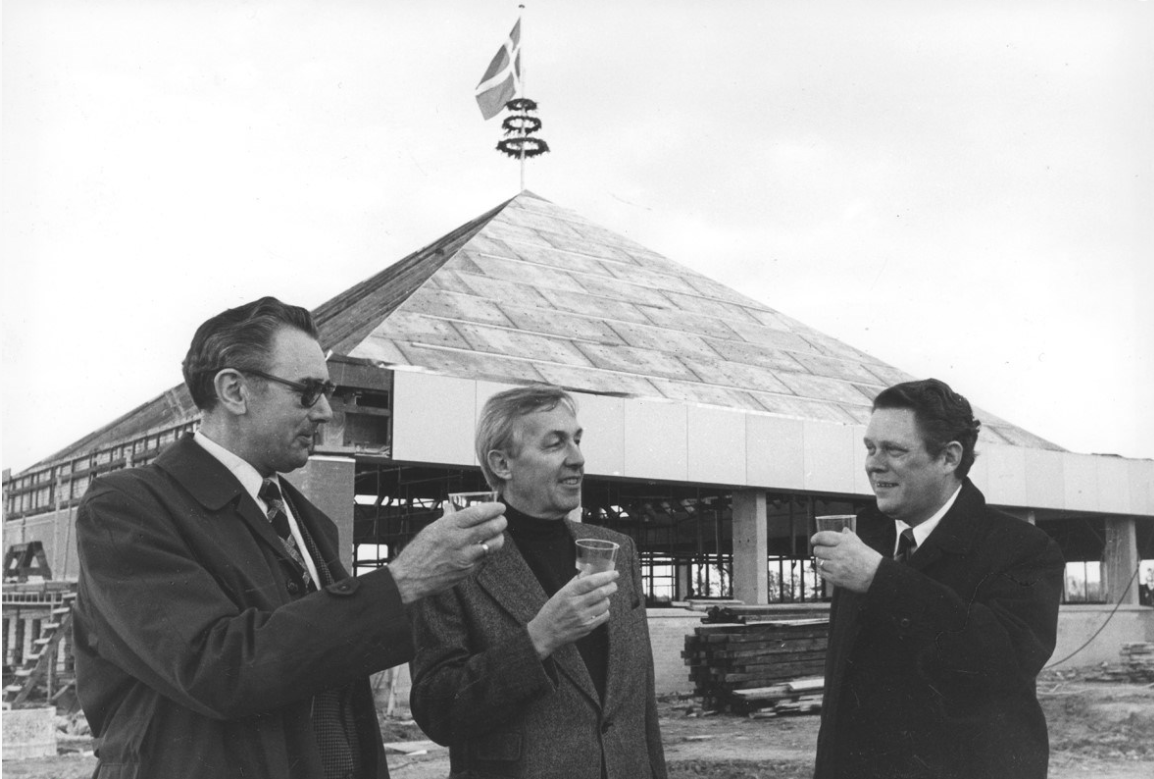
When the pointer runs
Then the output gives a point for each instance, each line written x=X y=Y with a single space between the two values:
x=310 y=389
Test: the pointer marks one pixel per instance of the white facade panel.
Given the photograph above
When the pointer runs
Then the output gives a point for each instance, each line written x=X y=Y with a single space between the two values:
x=1081 y=481
x=1045 y=479
x=829 y=457
x=655 y=440
x=860 y=479
x=717 y=445
x=1141 y=486
x=433 y=418
x=603 y=444
x=775 y=452
x=1113 y=485
x=980 y=471
x=1006 y=475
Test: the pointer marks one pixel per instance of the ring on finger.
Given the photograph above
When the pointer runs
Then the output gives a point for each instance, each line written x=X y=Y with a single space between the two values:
x=484 y=549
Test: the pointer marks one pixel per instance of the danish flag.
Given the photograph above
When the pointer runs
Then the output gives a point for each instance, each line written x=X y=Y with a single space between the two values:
x=502 y=80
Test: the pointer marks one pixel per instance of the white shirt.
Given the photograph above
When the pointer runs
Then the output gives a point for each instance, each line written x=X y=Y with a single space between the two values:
x=251 y=480
x=923 y=530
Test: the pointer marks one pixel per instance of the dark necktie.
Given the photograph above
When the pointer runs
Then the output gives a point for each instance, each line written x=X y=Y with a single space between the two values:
x=906 y=545
x=270 y=494
x=332 y=710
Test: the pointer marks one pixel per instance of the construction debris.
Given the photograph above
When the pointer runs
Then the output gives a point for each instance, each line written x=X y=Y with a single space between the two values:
x=1138 y=662
x=800 y=696
x=732 y=665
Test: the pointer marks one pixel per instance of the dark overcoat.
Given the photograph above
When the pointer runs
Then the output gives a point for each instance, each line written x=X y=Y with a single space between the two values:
x=480 y=689
x=195 y=654
x=931 y=672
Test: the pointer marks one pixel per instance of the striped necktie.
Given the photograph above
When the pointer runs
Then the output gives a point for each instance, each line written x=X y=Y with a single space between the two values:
x=333 y=716
x=278 y=518
x=906 y=545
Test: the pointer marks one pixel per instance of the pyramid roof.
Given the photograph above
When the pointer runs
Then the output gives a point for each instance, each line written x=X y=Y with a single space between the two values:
x=533 y=292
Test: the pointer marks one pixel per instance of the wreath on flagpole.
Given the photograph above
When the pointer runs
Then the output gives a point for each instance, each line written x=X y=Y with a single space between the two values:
x=519 y=141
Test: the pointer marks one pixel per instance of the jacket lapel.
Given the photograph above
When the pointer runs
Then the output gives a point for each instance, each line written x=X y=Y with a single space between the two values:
x=619 y=603
x=212 y=485
x=954 y=534
x=509 y=581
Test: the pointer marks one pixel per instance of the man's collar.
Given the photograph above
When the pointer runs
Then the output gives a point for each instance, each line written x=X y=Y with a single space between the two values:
x=248 y=476
x=923 y=529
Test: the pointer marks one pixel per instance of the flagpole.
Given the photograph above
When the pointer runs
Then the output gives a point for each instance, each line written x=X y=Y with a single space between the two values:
x=520 y=20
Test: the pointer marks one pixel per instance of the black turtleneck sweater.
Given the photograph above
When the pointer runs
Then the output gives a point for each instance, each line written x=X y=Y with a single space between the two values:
x=548 y=548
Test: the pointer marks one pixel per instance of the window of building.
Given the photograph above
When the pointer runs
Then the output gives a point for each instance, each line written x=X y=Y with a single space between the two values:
x=1084 y=582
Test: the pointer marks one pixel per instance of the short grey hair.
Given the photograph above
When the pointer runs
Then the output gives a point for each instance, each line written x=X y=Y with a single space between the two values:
x=495 y=430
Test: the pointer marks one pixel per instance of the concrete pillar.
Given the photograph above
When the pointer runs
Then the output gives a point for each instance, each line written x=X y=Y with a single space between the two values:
x=1121 y=560
x=750 y=547
x=327 y=481
x=684 y=572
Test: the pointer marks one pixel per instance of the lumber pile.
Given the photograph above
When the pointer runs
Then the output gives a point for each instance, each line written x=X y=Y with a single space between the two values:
x=1138 y=659
x=800 y=696
x=726 y=659
x=1137 y=666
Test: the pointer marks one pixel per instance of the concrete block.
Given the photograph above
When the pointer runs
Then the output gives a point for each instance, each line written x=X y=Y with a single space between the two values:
x=29 y=733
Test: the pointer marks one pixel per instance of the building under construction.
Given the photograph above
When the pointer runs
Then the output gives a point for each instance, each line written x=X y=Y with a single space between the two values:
x=716 y=429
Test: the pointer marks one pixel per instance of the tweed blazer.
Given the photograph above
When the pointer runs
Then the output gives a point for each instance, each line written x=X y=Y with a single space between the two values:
x=196 y=655
x=479 y=687
x=931 y=672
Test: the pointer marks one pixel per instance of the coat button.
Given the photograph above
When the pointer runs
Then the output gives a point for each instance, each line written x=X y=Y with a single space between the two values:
x=293 y=588
x=606 y=726
x=905 y=622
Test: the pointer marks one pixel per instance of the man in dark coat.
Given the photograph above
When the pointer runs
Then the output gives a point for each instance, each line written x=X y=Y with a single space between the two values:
x=530 y=669
x=944 y=611
x=216 y=632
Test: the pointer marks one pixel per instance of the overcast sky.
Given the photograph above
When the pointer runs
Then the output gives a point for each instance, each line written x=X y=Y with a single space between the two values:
x=962 y=189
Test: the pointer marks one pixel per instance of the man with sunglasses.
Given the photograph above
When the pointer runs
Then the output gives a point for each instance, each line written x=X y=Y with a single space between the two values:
x=216 y=631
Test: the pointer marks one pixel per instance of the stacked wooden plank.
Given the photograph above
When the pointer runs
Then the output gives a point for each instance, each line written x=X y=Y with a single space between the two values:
x=801 y=696
x=1138 y=659
x=727 y=658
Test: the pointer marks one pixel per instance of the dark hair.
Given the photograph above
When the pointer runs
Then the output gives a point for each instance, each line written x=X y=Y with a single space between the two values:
x=495 y=428
x=942 y=416
x=238 y=338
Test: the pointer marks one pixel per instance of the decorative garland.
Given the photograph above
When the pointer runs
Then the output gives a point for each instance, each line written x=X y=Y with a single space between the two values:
x=522 y=146
x=519 y=126
x=521 y=123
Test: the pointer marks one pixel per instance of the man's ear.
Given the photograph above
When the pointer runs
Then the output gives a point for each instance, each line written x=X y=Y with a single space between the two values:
x=231 y=391
x=499 y=464
x=952 y=456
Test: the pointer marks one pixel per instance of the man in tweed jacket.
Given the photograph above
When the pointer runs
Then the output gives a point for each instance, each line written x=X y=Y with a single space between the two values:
x=528 y=670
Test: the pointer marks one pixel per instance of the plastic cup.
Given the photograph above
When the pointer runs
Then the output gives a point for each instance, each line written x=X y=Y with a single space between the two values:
x=460 y=500
x=835 y=522
x=595 y=555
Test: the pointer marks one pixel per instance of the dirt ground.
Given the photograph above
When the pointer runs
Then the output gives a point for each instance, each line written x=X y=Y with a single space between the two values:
x=1098 y=729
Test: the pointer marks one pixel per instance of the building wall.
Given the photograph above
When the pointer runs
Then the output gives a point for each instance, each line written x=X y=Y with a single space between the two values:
x=434 y=418
x=1076 y=625
x=55 y=530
